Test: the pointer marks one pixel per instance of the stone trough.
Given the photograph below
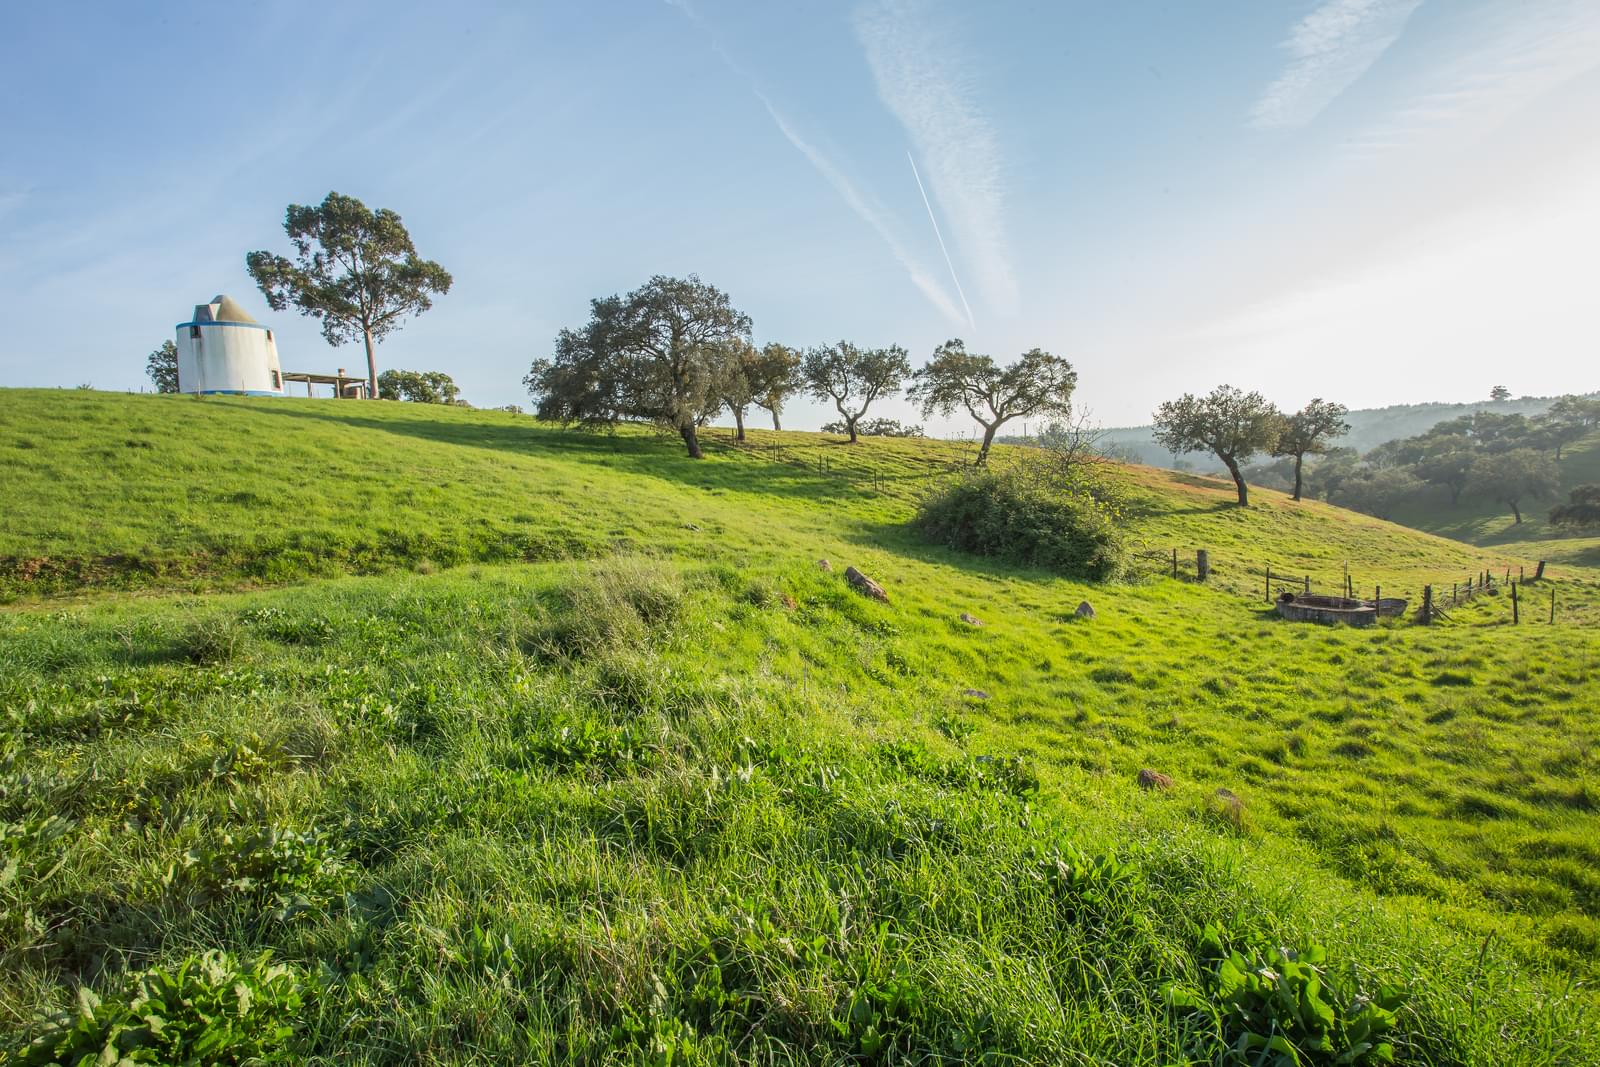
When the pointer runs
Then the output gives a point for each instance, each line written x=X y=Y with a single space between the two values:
x=1300 y=607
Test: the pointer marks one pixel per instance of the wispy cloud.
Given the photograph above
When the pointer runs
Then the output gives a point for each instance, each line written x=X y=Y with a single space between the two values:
x=1331 y=49
x=865 y=209
x=919 y=79
x=1497 y=65
x=921 y=277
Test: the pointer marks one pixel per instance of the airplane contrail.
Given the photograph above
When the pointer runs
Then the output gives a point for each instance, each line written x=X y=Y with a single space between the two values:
x=947 y=261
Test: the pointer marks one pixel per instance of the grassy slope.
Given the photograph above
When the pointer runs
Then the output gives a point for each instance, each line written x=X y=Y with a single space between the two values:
x=1492 y=525
x=796 y=784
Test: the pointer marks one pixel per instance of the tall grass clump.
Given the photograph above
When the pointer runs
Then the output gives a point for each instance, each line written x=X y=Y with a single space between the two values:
x=1019 y=518
x=612 y=605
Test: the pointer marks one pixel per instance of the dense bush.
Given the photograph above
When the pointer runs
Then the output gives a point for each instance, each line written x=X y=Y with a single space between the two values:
x=1009 y=516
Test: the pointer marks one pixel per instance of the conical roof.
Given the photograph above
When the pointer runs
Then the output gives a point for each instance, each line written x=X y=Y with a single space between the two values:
x=229 y=310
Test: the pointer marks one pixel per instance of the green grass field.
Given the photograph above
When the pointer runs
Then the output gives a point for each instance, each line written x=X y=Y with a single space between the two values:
x=512 y=744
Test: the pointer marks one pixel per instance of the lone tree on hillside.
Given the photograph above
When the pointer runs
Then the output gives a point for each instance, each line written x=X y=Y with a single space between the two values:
x=1308 y=432
x=1581 y=509
x=355 y=269
x=1232 y=424
x=1037 y=384
x=854 y=377
x=759 y=376
x=162 y=366
x=780 y=376
x=657 y=354
x=1511 y=477
x=419 y=387
x=1499 y=392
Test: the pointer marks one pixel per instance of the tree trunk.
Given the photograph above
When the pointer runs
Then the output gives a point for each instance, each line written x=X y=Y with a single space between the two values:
x=738 y=422
x=988 y=439
x=776 y=425
x=1238 y=480
x=372 y=366
x=1515 y=511
x=691 y=439
x=851 y=426
x=1298 y=481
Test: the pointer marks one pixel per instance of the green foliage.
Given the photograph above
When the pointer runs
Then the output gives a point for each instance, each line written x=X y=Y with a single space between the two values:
x=1513 y=476
x=1581 y=509
x=355 y=270
x=659 y=354
x=1280 y=1007
x=1231 y=424
x=162 y=367
x=210 y=1009
x=285 y=872
x=419 y=387
x=1038 y=384
x=854 y=378
x=1004 y=515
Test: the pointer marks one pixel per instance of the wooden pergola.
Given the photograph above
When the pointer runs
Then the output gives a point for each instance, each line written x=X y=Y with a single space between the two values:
x=344 y=386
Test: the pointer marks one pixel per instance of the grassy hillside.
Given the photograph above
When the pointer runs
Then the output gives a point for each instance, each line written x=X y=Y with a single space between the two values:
x=640 y=783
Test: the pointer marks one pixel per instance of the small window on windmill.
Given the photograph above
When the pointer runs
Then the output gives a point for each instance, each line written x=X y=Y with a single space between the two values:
x=269 y=337
x=277 y=381
x=194 y=330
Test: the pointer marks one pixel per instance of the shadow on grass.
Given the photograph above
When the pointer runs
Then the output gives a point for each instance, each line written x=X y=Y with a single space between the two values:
x=653 y=456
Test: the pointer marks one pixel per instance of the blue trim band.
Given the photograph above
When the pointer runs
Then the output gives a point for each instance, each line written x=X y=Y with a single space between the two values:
x=247 y=325
x=239 y=392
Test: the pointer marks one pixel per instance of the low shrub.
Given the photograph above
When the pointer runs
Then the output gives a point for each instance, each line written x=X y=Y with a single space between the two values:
x=1007 y=516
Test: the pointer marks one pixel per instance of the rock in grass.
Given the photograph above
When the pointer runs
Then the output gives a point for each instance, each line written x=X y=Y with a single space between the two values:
x=1149 y=779
x=975 y=694
x=824 y=565
x=864 y=585
x=1084 y=610
x=971 y=620
x=789 y=603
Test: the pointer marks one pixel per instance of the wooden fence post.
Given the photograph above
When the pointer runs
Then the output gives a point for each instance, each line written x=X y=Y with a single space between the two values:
x=1538 y=572
x=1269 y=583
x=1174 y=562
x=1202 y=564
x=1377 y=599
x=1308 y=585
x=1516 y=615
x=1552 y=604
x=1427 y=605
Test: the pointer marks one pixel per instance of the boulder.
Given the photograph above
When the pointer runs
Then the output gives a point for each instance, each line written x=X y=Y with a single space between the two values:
x=1149 y=779
x=1084 y=610
x=864 y=585
x=971 y=620
x=788 y=602
x=824 y=565
x=975 y=694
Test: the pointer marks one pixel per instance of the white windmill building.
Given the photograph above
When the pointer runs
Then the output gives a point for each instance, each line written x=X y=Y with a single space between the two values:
x=223 y=350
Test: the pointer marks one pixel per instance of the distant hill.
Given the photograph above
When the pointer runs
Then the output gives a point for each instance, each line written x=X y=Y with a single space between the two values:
x=1369 y=428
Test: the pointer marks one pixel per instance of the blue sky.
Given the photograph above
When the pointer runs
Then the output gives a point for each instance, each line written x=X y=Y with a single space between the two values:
x=1376 y=201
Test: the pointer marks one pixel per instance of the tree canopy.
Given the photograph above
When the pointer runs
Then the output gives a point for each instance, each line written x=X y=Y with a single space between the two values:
x=1310 y=431
x=853 y=378
x=762 y=376
x=1037 y=384
x=1581 y=509
x=162 y=367
x=355 y=269
x=1511 y=477
x=420 y=387
x=1230 y=423
x=658 y=354
x=775 y=379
